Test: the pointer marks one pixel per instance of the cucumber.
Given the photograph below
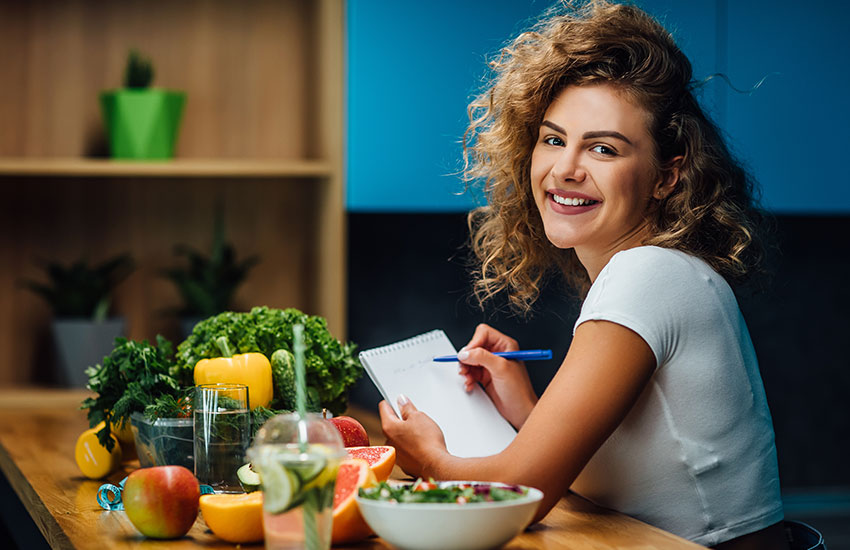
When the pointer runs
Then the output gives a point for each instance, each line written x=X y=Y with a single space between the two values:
x=248 y=478
x=279 y=487
x=308 y=470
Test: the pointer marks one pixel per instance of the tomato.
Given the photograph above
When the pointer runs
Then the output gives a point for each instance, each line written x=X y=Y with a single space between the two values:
x=186 y=407
x=424 y=486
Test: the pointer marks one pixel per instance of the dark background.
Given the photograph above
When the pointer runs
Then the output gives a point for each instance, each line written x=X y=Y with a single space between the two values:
x=408 y=275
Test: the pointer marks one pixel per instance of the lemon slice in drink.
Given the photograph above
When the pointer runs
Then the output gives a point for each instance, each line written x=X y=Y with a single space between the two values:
x=279 y=486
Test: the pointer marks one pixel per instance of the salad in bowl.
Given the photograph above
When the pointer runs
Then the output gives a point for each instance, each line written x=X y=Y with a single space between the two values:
x=464 y=515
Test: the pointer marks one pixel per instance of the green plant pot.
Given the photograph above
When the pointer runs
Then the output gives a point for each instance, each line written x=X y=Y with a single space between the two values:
x=142 y=124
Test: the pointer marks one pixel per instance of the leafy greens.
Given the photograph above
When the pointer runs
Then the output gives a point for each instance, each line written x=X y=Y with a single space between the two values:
x=331 y=366
x=151 y=379
x=136 y=377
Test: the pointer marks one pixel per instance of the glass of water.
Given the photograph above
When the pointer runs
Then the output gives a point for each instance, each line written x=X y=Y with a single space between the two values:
x=222 y=431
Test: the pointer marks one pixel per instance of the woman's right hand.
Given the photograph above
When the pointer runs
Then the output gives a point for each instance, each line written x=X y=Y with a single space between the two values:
x=505 y=381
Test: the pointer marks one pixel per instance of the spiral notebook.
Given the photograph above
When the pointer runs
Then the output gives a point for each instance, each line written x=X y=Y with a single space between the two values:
x=470 y=422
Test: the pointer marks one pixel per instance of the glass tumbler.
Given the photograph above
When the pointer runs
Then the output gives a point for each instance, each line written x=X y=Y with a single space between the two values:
x=222 y=433
x=297 y=460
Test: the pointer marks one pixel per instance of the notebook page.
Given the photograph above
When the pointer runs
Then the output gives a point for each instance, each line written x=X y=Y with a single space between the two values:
x=470 y=422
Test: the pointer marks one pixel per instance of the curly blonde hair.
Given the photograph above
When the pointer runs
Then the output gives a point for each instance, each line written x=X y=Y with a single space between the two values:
x=710 y=213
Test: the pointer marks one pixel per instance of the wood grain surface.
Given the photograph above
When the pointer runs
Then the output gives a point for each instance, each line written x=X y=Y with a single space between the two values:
x=38 y=429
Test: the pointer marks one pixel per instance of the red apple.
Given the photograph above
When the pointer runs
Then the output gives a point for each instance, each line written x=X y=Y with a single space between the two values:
x=353 y=433
x=162 y=501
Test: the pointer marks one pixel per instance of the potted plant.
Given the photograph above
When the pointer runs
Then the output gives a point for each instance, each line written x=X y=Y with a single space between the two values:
x=207 y=283
x=80 y=296
x=141 y=122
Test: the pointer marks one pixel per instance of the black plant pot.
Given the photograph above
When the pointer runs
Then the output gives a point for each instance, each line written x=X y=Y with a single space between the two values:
x=81 y=343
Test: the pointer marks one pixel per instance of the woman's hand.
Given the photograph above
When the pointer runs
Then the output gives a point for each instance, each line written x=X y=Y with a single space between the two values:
x=418 y=441
x=505 y=381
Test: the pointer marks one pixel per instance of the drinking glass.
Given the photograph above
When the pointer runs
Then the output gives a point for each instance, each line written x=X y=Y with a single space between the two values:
x=297 y=459
x=222 y=433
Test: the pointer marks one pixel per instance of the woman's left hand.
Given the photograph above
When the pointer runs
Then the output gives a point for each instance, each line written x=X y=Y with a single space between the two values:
x=417 y=439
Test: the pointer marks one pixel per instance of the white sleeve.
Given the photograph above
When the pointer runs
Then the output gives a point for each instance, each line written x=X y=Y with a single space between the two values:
x=644 y=289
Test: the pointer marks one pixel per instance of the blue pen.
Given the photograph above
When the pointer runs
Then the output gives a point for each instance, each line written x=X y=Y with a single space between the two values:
x=523 y=355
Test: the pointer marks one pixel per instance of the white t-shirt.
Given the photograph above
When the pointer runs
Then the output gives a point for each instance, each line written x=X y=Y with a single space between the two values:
x=696 y=454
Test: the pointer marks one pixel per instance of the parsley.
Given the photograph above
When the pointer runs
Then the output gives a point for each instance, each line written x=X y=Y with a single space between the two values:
x=136 y=377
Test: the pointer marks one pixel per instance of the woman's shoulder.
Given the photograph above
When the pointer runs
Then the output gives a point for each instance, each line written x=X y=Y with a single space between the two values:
x=658 y=263
x=653 y=255
x=653 y=272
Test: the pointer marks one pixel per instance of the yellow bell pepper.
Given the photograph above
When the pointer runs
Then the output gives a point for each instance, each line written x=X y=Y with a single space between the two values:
x=251 y=369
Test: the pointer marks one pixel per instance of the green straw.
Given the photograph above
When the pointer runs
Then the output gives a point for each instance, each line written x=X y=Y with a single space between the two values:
x=300 y=382
x=300 y=385
x=309 y=509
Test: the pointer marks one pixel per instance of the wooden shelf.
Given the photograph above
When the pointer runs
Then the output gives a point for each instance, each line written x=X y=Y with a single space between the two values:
x=262 y=133
x=175 y=168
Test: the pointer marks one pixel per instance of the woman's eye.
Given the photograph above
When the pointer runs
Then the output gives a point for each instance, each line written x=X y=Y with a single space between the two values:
x=553 y=140
x=604 y=150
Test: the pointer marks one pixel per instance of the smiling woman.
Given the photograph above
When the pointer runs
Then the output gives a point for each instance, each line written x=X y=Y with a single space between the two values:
x=710 y=213
x=600 y=167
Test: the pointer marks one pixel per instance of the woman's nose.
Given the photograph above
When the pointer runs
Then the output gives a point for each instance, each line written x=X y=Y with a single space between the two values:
x=569 y=166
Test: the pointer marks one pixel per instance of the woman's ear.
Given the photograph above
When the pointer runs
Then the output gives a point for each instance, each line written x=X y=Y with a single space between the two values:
x=669 y=178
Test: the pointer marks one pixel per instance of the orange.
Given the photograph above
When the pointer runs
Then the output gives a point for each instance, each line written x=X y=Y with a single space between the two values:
x=94 y=461
x=381 y=459
x=234 y=517
x=348 y=524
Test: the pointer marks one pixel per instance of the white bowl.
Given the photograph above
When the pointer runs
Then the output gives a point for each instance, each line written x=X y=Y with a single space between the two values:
x=439 y=526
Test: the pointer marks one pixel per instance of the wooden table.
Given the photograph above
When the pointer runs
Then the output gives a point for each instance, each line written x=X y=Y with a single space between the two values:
x=38 y=430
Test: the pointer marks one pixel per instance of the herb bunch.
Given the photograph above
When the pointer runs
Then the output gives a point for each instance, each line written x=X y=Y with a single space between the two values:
x=137 y=377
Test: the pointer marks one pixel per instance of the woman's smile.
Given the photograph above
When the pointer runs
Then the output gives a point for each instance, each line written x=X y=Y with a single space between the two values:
x=571 y=203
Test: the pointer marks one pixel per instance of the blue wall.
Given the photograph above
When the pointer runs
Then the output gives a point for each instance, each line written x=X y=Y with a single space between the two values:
x=413 y=66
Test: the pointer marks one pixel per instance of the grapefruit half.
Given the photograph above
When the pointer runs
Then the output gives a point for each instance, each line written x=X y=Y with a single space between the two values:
x=381 y=459
x=348 y=524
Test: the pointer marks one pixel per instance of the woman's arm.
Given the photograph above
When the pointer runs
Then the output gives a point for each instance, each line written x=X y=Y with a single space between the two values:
x=605 y=371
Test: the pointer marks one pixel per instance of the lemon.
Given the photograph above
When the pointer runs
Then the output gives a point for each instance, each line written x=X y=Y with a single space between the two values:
x=94 y=461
